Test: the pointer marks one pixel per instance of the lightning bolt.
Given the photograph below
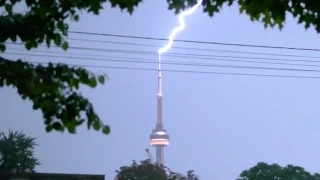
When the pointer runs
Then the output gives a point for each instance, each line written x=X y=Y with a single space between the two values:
x=171 y=37
x=179 y=28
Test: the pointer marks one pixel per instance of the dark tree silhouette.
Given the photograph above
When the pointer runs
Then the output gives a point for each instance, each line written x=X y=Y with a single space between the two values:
x=17 y=152
x=147 y=170
x=264 y=171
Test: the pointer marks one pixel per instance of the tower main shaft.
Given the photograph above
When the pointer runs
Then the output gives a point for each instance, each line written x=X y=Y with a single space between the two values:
x=159 y=137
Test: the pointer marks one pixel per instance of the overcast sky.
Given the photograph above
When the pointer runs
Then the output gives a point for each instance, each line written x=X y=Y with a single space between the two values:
x=219 y=124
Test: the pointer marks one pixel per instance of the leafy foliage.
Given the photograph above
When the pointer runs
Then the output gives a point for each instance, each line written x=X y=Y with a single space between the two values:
x=149 y=171
x=54 y=88
x=274 y=171
x=16 y=152
x=271 y=13
x=51 y=90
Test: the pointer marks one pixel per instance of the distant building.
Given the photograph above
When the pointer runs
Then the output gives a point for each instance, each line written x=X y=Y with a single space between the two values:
x=48 y=176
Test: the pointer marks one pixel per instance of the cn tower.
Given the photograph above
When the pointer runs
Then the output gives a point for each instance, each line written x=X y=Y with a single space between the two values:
x=159 y=137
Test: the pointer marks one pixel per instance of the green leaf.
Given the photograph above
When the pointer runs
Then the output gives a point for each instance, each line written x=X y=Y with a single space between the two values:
x=106 y=130
x=76 y=17
x=57 y=39
x=8 y=8
x=72 y=127
x=60 y=25
x=73 y=83
x=28 y=45
x=96 y=125
x=92 y=82
x=57 y=126
x=101 y=79
x=34 y=44
x=65 y=45
x=72 y=11
x=49 y=128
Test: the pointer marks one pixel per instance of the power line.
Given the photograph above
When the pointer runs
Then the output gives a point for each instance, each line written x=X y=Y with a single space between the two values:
x=188 y=48
x=176 y=63
x=197 y=72
x=188 y=71
x=187 y=55
x=196 y=49
x=199 y=42
x=213 y=59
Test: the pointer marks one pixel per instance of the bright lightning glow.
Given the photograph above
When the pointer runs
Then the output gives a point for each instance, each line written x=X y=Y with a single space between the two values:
x=179 y=28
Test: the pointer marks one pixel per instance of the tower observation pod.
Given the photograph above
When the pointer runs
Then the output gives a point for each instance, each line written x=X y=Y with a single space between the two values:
x=159 y=138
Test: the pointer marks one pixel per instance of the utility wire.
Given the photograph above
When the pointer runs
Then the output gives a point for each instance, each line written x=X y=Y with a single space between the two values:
x=186 y=55
x=189 y=48
x=198 y=56
x=175 y=63
x=188 y=71
x=201 y=42
x=185 y=71
x=144 y=59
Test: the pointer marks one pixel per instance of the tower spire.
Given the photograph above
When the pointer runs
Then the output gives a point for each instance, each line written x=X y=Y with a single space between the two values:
x=159 y=76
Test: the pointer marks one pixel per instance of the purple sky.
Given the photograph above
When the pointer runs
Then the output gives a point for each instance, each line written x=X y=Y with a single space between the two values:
x=219 y=124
